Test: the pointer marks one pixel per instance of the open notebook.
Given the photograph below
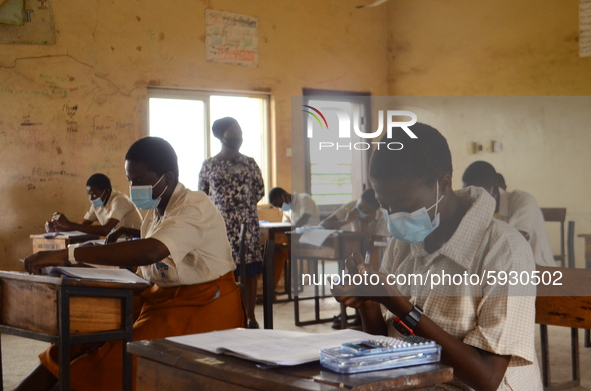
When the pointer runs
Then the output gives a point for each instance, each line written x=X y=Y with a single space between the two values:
x=119 y=275
x=277 y=347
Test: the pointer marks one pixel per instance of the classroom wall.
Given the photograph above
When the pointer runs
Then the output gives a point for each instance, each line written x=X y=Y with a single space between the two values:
x=71 y=109
x=501 y=47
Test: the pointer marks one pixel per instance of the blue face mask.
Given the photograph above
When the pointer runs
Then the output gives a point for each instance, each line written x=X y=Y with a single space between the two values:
x=413 y=227
x=141 y=196
x=285 y=207
x=98 y=201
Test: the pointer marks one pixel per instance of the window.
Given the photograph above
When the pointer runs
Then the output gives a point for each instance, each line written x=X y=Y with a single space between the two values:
x=184 y=119
x=335 y=176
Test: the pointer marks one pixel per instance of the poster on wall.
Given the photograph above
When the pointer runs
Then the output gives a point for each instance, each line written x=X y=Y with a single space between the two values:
x=29 y=22
x=584 y=28
x=231 y=38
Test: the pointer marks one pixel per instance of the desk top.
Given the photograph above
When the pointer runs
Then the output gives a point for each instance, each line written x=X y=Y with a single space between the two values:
x=245 y=373
x=75 y=282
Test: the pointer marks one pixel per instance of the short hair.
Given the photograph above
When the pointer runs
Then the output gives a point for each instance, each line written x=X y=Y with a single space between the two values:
x=220 y=126
x=156 y=154
x=425 y=158
x=99 y=180
x=369 y=197
x=276 y=192
x=481 y=173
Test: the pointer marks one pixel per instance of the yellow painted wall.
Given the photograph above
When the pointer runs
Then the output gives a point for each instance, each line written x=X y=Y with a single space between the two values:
x=71 y=109
x=501 y=47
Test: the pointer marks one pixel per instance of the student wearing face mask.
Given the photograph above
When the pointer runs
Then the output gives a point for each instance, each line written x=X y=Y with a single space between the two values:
x=182 y=249
x=361 y=215
x=486 y=330
x=109 y=208
x=234 y=183
x=299 y=209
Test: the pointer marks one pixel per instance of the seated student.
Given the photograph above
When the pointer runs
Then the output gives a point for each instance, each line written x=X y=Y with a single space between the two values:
x=486 y=331
x=110 y=208
x=361 y=215
x=183 y=250
x=299 y=209
x=517 y=208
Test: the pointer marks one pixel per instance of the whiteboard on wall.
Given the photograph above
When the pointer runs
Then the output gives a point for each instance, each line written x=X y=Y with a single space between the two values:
x=231 y=38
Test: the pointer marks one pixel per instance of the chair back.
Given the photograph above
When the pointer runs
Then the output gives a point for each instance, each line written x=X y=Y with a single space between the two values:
x=557 y=215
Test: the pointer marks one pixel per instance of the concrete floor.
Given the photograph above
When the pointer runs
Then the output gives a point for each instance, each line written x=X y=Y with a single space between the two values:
x=19 y=355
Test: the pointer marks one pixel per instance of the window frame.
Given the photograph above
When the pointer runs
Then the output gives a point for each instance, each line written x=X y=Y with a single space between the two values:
x=205 y=95
x=361 y=98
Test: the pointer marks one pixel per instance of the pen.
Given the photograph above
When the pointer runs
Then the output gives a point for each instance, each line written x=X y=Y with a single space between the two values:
x=367 y=257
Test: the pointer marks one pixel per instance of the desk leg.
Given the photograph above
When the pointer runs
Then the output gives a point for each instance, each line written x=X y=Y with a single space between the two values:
x=295 y=287
x=1 y=369
x=127 y=315
x=64 y=338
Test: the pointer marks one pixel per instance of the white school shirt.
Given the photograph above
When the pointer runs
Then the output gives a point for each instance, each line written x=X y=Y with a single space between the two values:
x=377 y=226
x=301 y=204
x=521 y=211
x=496 y=318
x=194 y=232
x=118 y=207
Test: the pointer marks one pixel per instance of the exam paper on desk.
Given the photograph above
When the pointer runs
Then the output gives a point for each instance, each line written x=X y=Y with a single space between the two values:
x=278 y=347
x=316 y=237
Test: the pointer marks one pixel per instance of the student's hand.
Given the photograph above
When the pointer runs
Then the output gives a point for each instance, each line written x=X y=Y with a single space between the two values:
x=129 y=233
x=351 y=215
x=366 y=284
x=34 y=263
x=61 y=222
x=50 y=226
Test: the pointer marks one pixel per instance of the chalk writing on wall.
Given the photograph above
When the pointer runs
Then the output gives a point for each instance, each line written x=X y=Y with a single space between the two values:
x=231 y=38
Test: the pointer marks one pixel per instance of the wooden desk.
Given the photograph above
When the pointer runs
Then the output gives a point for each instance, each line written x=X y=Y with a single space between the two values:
x=273 y=231
x=337 y=247
x=587 y=249
x=164 y=365
x=67 y=311
x=41 y=243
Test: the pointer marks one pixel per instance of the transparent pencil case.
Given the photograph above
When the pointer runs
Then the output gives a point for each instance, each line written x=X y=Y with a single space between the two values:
x=383 y=353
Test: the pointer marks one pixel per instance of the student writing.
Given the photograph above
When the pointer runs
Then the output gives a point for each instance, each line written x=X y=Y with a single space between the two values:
x=109 y=208
x=183 y=250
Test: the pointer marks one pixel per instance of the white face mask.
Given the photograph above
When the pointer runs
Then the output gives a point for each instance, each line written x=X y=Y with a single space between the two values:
x=413 y=227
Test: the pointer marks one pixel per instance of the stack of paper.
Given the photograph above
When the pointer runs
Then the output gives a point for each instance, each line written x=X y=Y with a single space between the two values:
x=119 y=275
x=276 y=347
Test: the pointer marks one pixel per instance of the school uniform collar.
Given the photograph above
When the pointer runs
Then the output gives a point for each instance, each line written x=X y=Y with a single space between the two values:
x=471 y=229
x=179 y=190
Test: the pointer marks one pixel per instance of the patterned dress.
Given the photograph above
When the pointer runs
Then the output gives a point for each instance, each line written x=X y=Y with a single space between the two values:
x=235 y=187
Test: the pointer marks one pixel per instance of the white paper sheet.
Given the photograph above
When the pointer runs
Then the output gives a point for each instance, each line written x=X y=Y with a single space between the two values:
x=277 y=347
x=316 y=237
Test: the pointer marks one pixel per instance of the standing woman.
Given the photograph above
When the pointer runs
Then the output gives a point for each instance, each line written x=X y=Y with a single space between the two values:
x=235 y=185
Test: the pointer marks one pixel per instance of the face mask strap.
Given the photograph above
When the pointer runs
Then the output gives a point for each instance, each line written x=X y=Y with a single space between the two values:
x=437 y=199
